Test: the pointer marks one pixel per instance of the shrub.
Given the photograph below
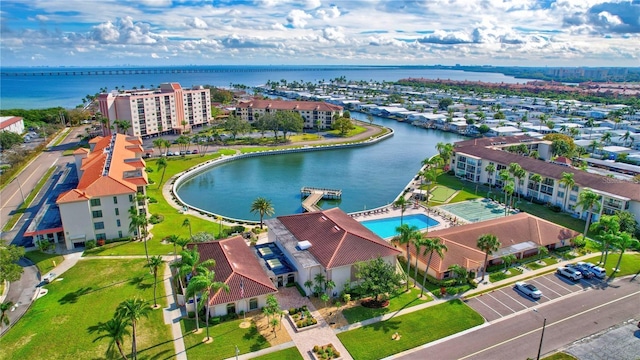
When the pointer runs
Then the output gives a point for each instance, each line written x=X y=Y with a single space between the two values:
x=101 y=242
x=152 y=200
x=191 y=314
x=215 y=320
x=90 y=244
x=497 y=276
x=555 y=208
x=156 y=218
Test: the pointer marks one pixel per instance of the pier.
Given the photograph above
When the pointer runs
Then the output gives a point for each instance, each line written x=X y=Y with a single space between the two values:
x=313 y=195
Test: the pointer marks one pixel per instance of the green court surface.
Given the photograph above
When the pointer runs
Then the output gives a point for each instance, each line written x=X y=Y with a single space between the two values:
x=441 y=193
x=476 y=210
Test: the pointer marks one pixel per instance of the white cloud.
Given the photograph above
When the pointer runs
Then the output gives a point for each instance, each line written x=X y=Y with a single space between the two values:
x=41 y=17
x=326 y=14
x=297 y=18
x=197 y=23
x=334 y=34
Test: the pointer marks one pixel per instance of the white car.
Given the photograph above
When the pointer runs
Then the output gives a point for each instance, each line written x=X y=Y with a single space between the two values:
x=48 y=278
x=528 y=290
x=597 y=270
x=569 y=273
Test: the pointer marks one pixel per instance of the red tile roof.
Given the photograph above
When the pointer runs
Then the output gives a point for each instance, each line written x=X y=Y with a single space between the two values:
x=235 y=262
x=8 y=122
x=289 y=105
x=336 y=239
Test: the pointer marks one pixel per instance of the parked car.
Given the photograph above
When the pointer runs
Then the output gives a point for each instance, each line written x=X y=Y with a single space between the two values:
x=195 y=151
x=569 y=273
x=48 y=278
x=595 y=269
x=528 y=289
x=585 y=271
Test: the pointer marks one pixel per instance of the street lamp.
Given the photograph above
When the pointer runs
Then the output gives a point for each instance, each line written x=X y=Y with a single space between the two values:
x=19 y=187
x=544 y=325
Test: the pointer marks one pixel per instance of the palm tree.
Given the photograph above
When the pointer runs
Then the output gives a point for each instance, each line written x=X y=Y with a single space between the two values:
x=445 y=150
x=593 y=145
x=626 y=137
x=508 y=260
x=4 y=317
x=418 y=242
x=159 y=143
x=430 y=175
x=589 y=201
x=508 y=191
x=190 y=264
x=431 y=245
x=162 y=164
x=207 y=285
x=173 y=239
x=489 y=244
x=187 y=223
x=518 y=172
x=460 y=273
x=590 y=122
x=138 y=224
x=114 y=330
x=406 y=235
x=623 y=242
x=537 y=179
x=155 y=262
x=402 y=203
x=133 y=310
x=568 y=182
x=606 y=229
x=125 y=126
x=606 y=138
x=490 y=169
x=263 y=207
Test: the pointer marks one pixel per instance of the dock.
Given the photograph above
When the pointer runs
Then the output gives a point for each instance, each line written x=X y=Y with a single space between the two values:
x=313 y=195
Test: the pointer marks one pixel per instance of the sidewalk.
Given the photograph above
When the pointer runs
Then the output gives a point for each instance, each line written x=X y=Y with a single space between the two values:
x=173 y=313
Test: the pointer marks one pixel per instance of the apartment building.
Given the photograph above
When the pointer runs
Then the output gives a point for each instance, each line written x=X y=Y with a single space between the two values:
x=14 y=124
x=471 y=157
x=111 y=174
x=167 y=109
x=314 y=113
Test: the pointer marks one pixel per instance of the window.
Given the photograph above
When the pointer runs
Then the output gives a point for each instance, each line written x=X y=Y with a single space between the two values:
x=253 y=304
x=98 y=225
x=118 y=222
x=96 y=214
x=117 y=211
x=115 y=199
x=101 y=236
x=231 y=308
x=94 y=202
x=130 y=198
x=120 y=234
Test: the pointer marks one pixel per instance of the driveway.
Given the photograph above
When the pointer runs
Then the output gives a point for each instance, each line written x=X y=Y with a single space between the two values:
x=22 y=292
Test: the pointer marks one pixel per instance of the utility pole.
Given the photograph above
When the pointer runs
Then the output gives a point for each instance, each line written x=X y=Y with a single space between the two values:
x=544 y=324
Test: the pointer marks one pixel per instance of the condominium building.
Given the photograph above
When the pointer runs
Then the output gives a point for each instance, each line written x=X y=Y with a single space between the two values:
x=314 y=113
x=13 y=124
x=471 y=157
x=169 y=108
x=111 y=174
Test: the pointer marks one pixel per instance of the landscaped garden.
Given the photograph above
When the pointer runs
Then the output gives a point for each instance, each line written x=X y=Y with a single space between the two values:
x=56 y=326
x=226 y=336
x=397 y=301
x=302 y=318
x=291 y=353
x=630 y=264
x=376 y=341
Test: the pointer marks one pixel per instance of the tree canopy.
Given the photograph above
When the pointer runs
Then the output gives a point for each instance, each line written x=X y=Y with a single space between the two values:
x=378 y=278
x=9 y=256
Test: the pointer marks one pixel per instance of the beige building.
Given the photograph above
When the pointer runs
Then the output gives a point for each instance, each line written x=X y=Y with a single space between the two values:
x=157 y=111
x=313 y=113
x=111 y=173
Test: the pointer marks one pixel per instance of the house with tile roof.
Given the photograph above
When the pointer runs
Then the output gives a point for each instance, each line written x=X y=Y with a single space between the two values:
x=521 y=235
x=111 y=174
x=14 y=124
x=471 y=157
x=327 y=242
x=312 y=112
x=237 y=267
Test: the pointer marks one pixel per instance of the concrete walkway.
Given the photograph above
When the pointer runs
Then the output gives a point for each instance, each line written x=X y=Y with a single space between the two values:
x=172 y=315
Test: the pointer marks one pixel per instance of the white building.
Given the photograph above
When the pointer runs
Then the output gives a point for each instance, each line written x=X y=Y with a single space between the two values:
x=111 y=174
x=169 y=108
x=312 y=112
x=13 y=124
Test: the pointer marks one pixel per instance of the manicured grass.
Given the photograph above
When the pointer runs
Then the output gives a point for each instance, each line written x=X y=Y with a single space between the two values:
x=399 y=301
x=501 y=275
x=559 y=356
x=62 y=136
x=226 y=336
x=417 y=328
x=548 y=261
x=286 y=354
x=43 y=261
x=560 y=218
x=467 y=190
x=356 y=130
x=441 y=193
x=27 y=201
x=304 y=137
x=630 y=263
x=55 y=327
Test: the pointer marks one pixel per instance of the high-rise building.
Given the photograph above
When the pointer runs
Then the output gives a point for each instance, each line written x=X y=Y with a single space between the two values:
x=167 y=109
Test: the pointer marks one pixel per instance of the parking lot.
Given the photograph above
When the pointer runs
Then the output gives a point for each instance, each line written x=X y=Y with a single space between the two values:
x=506 y=301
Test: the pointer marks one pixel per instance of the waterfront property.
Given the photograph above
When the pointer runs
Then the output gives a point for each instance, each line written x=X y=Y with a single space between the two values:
x=237 y=267
x=521 y=235
x=316 y=114
x=476 y=210
x=329 y=243
x=386 y=227
x=111 y=175
x=168 y=109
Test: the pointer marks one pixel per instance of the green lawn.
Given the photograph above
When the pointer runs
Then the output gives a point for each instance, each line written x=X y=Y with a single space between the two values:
x=559 y=356
x=535 y=266
x=417 y=328
x=226 y=336
x=441 y=193
x=397 y=302
x=356 y=130
x=630 y=263
x=501 y=275
x=467 y=189
x=56 y=324
x=43 y=261
x=286 y=354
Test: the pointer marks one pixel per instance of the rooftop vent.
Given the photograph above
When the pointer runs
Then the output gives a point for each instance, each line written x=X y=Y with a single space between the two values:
x=336 y=227
x=304 y=245
x=324 y=217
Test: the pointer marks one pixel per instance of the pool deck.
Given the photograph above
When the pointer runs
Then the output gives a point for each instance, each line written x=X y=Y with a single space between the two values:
x=389 y=211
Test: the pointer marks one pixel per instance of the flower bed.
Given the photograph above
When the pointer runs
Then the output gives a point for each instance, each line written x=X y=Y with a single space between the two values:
x=302 y=319
x=325 y=352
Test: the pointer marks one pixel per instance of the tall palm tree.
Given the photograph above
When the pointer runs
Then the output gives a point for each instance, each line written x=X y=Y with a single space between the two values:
x=489 y=244
x=490 y=169
x=590 y=122
x=406 y=235
x=114 y=330
x=430 y=175
x=518 y=173
x=263 y=207
x=445 y=150
x=508 y=192
x=537 y=180
x=589 y=201
x=190 y=264
x=207 y=285
x=125 y=126
x=173 y=239
x=402 y=203
x=568 y=182
x=606 y=229
x=606 y=138
x=4 y=317
x=431 y=245
x=155 y=263
x=161 y=164
x=187 y=223
x=138 y=224
x=159 y=143
x=133 y=310
x=460 y=273
x=623 y=242
x=418 y=243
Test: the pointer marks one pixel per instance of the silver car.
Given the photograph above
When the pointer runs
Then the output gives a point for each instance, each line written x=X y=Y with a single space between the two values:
x=528 y=290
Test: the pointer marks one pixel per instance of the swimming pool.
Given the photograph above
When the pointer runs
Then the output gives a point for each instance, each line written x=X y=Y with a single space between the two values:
x=386 y=228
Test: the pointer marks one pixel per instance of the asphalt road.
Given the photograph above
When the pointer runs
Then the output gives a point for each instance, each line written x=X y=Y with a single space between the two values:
x=568 y=318
x=21 y=292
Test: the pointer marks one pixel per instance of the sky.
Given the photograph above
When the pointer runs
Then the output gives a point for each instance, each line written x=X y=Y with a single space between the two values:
x=319 y=32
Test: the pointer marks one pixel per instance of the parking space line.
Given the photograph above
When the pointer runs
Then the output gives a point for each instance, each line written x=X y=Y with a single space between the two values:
x=489 y=307
x=559 y=284
x=546 y=287
x=505 y=305
x=514 y=299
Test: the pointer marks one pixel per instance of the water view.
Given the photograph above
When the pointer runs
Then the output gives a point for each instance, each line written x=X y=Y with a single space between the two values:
x=386 y=228
x=369 y=176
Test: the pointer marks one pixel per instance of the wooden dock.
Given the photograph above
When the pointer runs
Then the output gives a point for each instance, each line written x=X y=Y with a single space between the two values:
x=313 y=195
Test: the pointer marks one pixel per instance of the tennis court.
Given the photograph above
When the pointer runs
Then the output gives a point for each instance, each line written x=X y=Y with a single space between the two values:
x=476 y=210
x=441 y=193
